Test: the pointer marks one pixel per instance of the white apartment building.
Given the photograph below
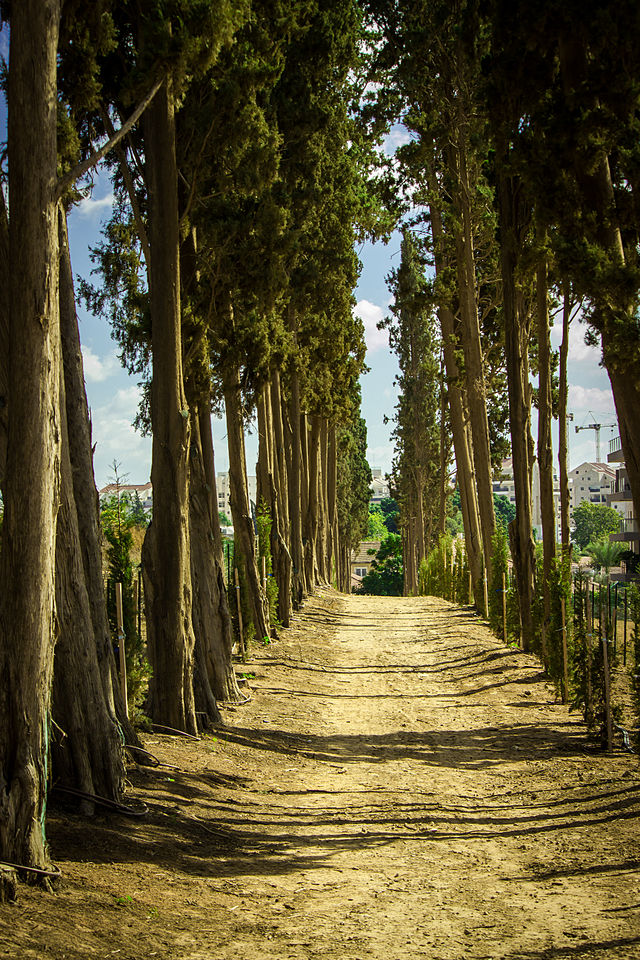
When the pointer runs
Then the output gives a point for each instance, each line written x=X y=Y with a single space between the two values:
x=590 y=481
x=222 y=485
x=379 y=486
x=505 y=487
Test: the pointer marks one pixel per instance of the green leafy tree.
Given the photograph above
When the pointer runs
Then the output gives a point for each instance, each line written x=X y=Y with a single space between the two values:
x=605 y=553
x=385 y=579
x=377 y=529
x=391 y=512
x=593 y=521
x=505 y=511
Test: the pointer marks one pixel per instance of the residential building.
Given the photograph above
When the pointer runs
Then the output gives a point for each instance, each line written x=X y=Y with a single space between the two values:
x=144 y=491
x=222 y=486
x=619 y=497
x=361 y=560
x=379 y=487
x=591 y=482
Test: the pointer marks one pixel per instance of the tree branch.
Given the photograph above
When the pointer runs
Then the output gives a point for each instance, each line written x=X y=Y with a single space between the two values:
x=69 y=178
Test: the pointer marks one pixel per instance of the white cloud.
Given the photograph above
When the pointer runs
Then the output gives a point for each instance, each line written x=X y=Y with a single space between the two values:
x=579 y=351
x=91 y=208
x=380 y=457
x=371 y=314
x=115 y=438
x=397 y=137
x=97 y=369
x=586 y=399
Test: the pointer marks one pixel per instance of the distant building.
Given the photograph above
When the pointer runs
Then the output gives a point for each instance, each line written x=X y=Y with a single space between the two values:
x=619 y=497
x=361 y=560
x=379 y=487
x=223 y=488
x=144 y=491
x=591 y=482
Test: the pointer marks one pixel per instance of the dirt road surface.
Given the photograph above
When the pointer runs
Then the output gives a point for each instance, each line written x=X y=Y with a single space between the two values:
x=401 y=785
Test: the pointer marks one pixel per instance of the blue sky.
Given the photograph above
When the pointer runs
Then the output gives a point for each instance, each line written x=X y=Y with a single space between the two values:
x=113 y=395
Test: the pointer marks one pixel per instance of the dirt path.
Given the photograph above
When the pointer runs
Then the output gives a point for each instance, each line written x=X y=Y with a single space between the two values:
x=401 y=785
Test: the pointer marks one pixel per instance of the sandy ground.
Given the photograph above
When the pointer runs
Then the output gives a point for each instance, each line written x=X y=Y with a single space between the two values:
x=401 y=785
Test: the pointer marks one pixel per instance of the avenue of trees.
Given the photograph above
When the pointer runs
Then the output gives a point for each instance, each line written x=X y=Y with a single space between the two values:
x=243 y=141
x=519 y=191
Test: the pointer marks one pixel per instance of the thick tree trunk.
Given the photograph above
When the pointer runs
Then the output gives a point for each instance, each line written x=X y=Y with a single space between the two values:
x=517 y=324
x=473 y=359
x=563 y=446
x=312 y=513
x=322 y=539
x=545 y=449
x=32 y=478
x=85 y=494
x=214 y=675
x=244 y=535
x=281 y=552
x=295 y=493
x=166 y=553
x=86 y=749
x=459 y=427
x=332 y=505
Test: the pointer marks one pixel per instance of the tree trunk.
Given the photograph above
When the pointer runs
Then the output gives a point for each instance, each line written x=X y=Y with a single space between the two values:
x=214 y=675
x=517 y=322
x=295 y=494
x=545 y=449
x=473 y=359
x=563 y=446
x=332 y=504
x=244 y=535
x=322 y=539
x=312 y=514
x=459 y=427
x=85 y=494
x=166 y=551
x=32 y=478
x=86 y=749
x=307 y=563
x=281 y=553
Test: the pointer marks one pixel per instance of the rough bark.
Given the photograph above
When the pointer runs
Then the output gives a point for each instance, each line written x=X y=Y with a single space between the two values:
x=332 y=504
x=31 y=485
x=312 y=501
x=86 y=745
x=322 y=539
x=545 y=449
x=471 y=345
x=85 y=494
x=214 y=677
x=295 y=495
x=166 y=554
x=244 y=535
x=281 y=553
x=563 y=445
x=517 y=324
x=459 y=426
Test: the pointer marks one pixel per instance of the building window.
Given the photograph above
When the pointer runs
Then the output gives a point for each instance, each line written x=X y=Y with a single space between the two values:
x=361 y=571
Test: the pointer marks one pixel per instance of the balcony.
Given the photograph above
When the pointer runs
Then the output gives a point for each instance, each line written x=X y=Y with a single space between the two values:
x=615 y=451
x=629 y=531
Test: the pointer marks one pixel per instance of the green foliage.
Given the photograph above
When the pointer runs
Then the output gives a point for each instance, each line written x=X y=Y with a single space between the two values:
x=593 y=521
x=505 y=511
x=354 y=476
x=264 y=524
x=386 y=579
x=499 y=569
x=119 y=516
x=634 y=614
x=224 y=519
x=377 y=529
x=560 y=588
x=436 y=576
x=605 y=553
x=391 y=513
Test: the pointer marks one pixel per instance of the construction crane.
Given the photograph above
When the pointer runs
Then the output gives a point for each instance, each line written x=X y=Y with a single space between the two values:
x=596 y=427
